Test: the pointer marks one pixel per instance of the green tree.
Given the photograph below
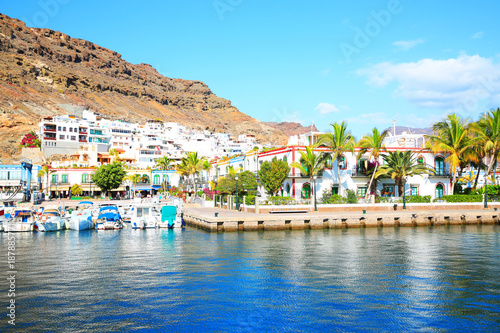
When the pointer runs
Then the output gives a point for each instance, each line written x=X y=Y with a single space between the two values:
x=373 y=143
x=400 y=165
x=76 y=190
x=273 y=174
x=45 y=172
x=246 y=183
x=339 y=142
x=109 y=176
x=311 y=163
x=134 y=179
x=452 y=137
x=487 y=130
x=190 y=165
x=164 y=163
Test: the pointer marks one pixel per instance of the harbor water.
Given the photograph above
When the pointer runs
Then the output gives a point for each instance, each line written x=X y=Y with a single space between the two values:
x=389 y=279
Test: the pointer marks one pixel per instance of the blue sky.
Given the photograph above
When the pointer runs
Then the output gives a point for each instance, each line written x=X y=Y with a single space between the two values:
x=366 y=62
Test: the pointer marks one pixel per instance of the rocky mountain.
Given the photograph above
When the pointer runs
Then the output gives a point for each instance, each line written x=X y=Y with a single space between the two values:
x=290 y=128
x=45 y=72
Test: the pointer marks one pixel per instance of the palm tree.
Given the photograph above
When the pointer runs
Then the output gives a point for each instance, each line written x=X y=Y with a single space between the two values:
x=374 y=144
x=134 y=179
x=400 y=165
x=45 y=171
x=190 y=165
x=164 y=163
x=311 y=163
x=339 y=142
x=114 y=154
x=452 y=137
x=487 y=130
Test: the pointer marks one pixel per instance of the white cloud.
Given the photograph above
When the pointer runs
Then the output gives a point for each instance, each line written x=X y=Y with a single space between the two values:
x=326 y=108
x=477 y=35
x=405 y=45
x=457 y=83
x=376 y=118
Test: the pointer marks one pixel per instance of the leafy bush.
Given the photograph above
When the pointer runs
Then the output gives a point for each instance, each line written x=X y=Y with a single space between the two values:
x=250 y=200
x=380 y=199
x=463 y=198
x=351 y=197
x=31 y=140
x=416 y=199
x=209 y=194
x=281 y=201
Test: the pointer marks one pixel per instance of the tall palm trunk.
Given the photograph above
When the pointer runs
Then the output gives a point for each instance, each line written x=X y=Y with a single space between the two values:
x=368 y=193
x=338 y=175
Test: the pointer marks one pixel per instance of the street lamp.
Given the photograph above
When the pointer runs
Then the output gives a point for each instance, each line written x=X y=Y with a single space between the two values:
x=90 y=181
x=486 y=192
x=215 y=192
x=314 y=193
x=237 y=203
x=404 y=197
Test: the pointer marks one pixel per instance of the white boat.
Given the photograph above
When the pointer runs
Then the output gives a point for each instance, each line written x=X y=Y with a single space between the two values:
x=51 y=220
x=171 y=217
x=3 y=219
x=144 y=216
x=81 y=217
x=109 y=218
x=22 y=221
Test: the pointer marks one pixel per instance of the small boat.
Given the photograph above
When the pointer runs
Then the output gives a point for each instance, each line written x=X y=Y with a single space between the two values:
x=81 y=217
x=171 y=217
x=109 y=218
x=144 y=216
x=3 y=219
x=51 y=219
x=22 y=220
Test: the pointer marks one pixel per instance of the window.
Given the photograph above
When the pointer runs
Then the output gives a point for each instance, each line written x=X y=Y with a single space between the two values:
x=306 y=191
x=55 y=178
x=414 y=190
x=71 y=129
x=156 y=180
x=335 y=189
x=342 y=163
x=3 y=175
x=58 y=128
x=64 y=128
x=15 y=175
x=73 y=138
x=421 y=160
x=61 y=137
x=85 y=178
x=328 y=162
x=285 y=159
x=362 y=166
x=361 y=191
x=287 y=190
x=388 y=190
x=439 y=166
x=65 y=178
x=439 y=191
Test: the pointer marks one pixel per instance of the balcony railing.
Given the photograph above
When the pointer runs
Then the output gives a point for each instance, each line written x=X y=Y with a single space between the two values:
x=46 y=129
x=441 y=173
x=359 y=172
x=82 y=140
x=49 y=137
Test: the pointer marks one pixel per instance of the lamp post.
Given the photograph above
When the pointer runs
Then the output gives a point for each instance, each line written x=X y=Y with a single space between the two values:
x=314 y=193
x=90 y=181
x=404 y=197
x=215 y=192
x=486 y=192
x=237 y=203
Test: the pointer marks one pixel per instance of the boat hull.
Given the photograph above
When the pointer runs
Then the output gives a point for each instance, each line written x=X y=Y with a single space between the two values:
x=19 y=227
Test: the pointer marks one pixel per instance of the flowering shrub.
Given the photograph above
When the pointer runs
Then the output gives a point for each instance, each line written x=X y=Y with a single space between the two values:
x=208 y=193
x=31 y=140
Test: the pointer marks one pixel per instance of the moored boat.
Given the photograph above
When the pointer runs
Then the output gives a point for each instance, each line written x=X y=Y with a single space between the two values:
x=22 y=220
x=171 y=217
x=51 y=219
x=144 y=216
x=81 y=217
x=109 y=218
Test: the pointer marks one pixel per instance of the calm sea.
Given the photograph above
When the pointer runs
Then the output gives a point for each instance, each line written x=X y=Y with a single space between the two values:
x=402 y=279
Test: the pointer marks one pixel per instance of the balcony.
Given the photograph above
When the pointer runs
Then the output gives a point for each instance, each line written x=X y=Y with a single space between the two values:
x=360 y=172
x=82 y=140
x=82 y=132
x=441 y=173
x=49 y=138
x=49 y=129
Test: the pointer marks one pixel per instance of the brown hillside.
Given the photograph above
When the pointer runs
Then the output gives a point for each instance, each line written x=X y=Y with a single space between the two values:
x=45 y=72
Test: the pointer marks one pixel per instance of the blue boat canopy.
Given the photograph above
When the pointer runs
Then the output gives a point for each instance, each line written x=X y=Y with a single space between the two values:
x=86 y=203
x=108 y=208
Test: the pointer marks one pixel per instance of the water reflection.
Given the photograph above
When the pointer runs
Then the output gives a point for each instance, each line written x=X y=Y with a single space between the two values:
x=437 y=278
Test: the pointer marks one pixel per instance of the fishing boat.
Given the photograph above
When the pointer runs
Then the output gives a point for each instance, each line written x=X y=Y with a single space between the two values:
x=22 y=220
x=171 y=217
x=109 y=218
x=81 y=217
x=144 y=216
x=51 y=219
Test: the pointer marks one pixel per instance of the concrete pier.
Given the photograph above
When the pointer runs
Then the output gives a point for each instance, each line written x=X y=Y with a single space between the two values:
x=227 y=220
